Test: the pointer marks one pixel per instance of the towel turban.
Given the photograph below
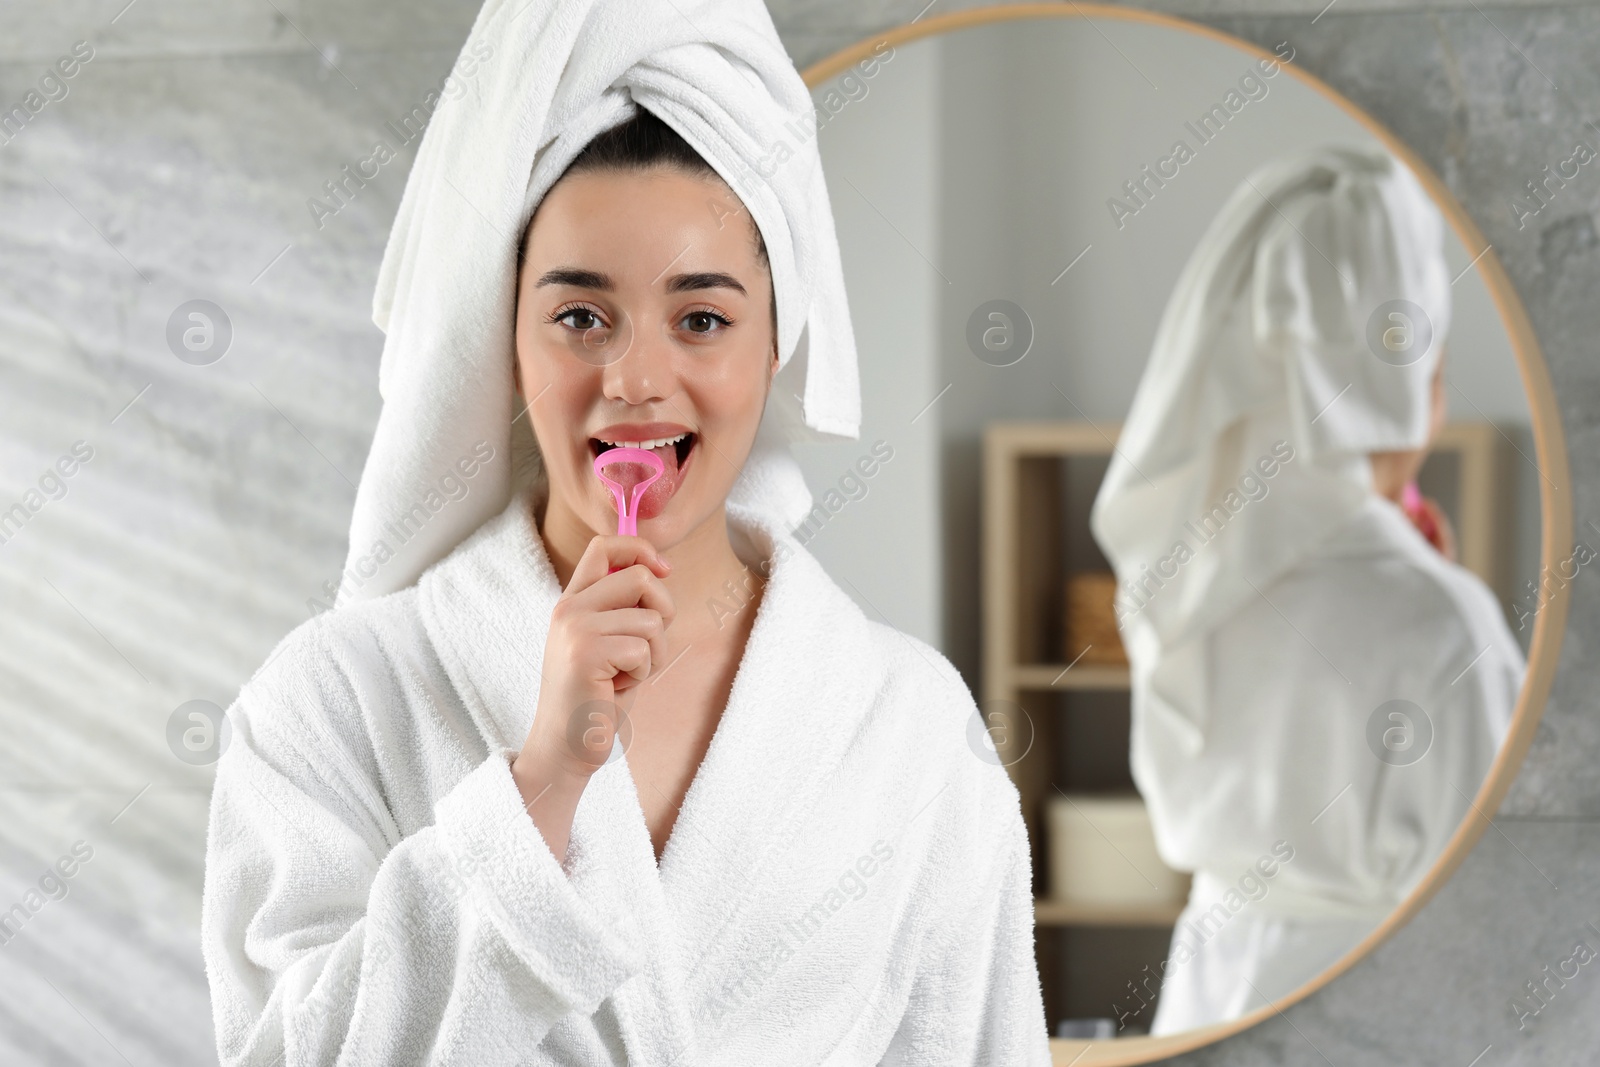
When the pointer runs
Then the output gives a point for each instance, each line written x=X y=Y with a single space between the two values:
x=1282 y=328
x=546 y=76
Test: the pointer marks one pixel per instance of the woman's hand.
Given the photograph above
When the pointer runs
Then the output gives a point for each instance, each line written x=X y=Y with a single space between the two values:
x=607 y=633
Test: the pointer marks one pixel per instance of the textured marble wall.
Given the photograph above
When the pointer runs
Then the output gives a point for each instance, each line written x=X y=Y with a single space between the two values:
x=179 y=166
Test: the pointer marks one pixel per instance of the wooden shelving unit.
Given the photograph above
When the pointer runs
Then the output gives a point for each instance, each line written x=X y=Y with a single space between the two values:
x=1068 y=913
x=1038 y=479
x=1048 y=676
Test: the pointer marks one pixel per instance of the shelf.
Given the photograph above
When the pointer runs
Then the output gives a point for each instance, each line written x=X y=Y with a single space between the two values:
x=1072 y=913
x=1053 y=437
x=1047 y=677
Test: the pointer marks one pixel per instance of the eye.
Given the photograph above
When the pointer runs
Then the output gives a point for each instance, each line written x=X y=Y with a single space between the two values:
x=705 y=320
x=587 y=317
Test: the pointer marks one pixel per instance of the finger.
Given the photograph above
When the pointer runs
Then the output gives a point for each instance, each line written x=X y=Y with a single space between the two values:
x=633 y=586
x=626 y=656
x=627 y=622
x=608 y=551
x=658 y=653
x=654 y=595
x=640 y=623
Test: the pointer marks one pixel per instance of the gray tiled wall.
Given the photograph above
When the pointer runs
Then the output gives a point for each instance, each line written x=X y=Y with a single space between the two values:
x=179 y=166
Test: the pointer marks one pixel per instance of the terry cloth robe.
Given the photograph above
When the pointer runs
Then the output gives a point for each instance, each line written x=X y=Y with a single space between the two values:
x=1274 y=606
x=1377 y=617
x=846 y=881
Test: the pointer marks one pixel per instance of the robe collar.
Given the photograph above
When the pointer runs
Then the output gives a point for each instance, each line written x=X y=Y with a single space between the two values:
x=487 y=609
x=806 y=679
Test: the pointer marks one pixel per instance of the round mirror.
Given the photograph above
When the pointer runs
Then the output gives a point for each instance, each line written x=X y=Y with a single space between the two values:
x=1211 y=444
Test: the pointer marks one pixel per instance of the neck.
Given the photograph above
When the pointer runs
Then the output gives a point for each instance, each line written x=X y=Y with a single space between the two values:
x=703 y=563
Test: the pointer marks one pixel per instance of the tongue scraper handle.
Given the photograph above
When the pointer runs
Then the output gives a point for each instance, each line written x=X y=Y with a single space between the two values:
x=627 y=513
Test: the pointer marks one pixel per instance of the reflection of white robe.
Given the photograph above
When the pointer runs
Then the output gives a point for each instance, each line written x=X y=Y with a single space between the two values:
x=846 y=880
x=1295 y=676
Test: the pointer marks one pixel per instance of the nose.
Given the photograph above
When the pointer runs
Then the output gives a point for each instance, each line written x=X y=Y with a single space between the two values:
x=642 y=373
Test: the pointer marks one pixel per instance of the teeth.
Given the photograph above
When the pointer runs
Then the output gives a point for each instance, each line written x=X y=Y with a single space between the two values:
x=647 y=445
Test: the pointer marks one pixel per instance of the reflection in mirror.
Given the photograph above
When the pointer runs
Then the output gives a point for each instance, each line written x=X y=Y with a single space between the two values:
x=1210 y=468
x=1284 y=589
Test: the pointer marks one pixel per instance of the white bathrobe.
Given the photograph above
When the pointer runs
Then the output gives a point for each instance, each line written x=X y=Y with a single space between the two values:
x=1264 y=651
x=1300 y=674
x=846 y=882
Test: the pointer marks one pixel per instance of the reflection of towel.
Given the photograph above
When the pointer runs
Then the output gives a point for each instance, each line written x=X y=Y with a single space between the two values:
x=1265 y=340
x=561 y=72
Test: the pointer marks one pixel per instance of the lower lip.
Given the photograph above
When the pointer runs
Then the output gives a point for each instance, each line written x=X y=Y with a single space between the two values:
x=655 y=498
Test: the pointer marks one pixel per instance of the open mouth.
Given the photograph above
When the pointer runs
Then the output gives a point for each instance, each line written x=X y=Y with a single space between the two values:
x=676 y=454
x=679 y=447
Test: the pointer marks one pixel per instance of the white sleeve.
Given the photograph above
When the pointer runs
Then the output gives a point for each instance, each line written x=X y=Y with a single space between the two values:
x=328 y=941
x=976 y=998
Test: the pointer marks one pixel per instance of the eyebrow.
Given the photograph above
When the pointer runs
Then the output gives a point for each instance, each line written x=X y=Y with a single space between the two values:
x=677 y=283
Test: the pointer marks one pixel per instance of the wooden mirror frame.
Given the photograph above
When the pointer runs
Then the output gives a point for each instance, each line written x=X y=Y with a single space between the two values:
x=1555 y=495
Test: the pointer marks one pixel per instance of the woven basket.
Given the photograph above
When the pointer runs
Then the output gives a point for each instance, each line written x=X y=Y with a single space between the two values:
x=1091 y=620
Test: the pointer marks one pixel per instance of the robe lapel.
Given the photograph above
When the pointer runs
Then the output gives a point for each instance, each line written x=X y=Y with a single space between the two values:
x=486 y=607
x=487 y=610
x=802 y=686
x=611 y=864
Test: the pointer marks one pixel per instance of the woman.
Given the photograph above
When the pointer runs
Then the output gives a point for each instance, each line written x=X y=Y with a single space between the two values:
x=1317 y=689
x=583 y=798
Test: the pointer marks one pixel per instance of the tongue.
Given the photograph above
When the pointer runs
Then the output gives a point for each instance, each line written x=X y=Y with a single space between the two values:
x=629 y=474
x=653 y=501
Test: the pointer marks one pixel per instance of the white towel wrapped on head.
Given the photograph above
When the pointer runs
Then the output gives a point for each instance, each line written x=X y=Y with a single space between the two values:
x=560 y=72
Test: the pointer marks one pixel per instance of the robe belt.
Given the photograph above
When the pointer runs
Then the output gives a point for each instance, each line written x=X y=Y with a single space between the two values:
x=1274 y=900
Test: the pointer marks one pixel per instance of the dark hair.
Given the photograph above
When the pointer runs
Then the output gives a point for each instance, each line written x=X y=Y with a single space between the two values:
x=642 y=142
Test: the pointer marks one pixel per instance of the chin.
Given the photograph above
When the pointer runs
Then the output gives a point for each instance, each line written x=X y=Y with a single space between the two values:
x=681 y=518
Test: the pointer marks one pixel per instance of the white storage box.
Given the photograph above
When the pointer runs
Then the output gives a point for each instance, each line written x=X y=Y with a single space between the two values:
x=1103 y=851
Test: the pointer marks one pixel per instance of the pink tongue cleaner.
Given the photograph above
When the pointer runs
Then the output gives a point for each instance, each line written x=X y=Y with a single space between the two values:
x=628 y=472
x=628 y=475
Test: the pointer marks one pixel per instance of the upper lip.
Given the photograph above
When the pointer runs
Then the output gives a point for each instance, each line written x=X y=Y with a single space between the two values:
x=620 y=432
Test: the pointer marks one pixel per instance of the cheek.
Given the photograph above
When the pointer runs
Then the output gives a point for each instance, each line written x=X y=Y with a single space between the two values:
x=559 y=405
x=728 y=398
x=552 y=374
x=533 y=355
